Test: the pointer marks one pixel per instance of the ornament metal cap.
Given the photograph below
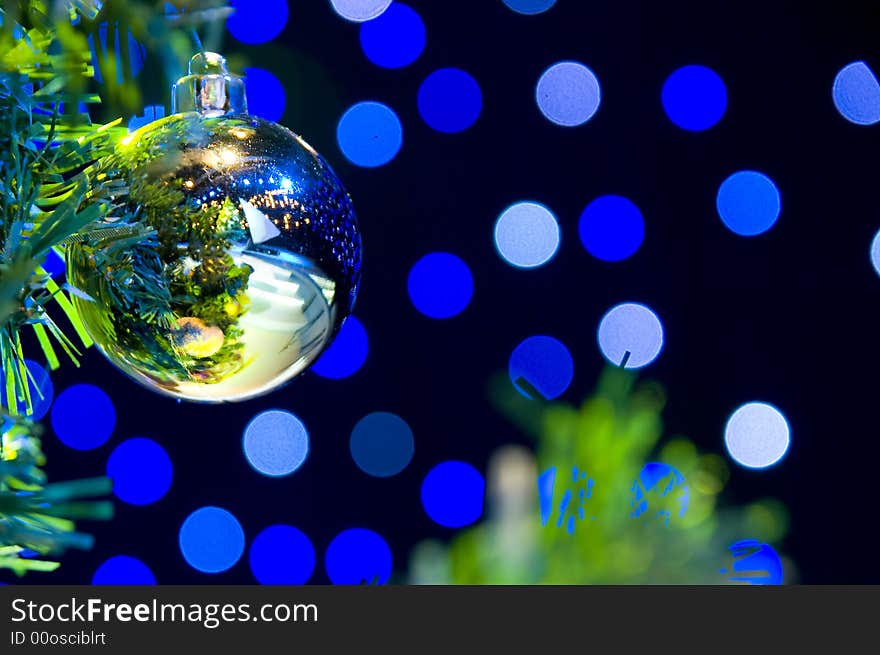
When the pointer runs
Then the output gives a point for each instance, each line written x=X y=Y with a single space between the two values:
x=209 y=89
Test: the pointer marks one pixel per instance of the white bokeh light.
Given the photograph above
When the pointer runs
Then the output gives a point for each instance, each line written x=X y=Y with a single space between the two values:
x=359 y=11
x=276 y=443
x=856 y=94
x=527 y=235
x=875 y=252
x=568 y=94
x=757 y=435
x=630 y=335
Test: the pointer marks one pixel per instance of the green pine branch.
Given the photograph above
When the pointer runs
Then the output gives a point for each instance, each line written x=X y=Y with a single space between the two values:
x=56 y=189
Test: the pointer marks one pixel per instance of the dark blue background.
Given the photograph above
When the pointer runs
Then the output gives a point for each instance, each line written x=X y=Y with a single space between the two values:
x=791 y=317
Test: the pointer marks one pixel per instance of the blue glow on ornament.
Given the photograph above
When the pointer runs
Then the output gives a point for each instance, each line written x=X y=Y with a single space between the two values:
x=257 y=22
x=757 y=435
x=282 y=555
x=211 y=540
x=662 y=489
x=141 y=471
x=568 y=94
x=369 y=134
x=358 y=556
x=83 y=417
x=440 y=285
x=527 y=235
x=276 y=443
x=123 y=570
x=359 y=11
x=452 y=494
x=395 y=39
x=856 y=94
x=530 y=7
x=612 y=228
x=630 y=335
x=450 y=100
x=541 y=365
x=749 y=203
x=754 y=563
x=151 y=113
x=265 y=94
x=347 y=354
x=112 y=52
x=694 y=98
x=41 y=390
x=382 y=444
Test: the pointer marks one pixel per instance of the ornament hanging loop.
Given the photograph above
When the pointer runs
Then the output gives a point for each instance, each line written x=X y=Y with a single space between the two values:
x=209 y=89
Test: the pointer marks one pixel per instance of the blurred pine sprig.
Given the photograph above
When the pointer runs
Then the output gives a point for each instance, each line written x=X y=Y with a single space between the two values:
x=611 y=529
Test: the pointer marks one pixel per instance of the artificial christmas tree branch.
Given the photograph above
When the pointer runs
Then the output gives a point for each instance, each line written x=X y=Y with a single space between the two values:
x=53 y=191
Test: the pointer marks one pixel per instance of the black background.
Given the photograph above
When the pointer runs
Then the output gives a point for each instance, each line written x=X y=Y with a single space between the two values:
x=790 y=317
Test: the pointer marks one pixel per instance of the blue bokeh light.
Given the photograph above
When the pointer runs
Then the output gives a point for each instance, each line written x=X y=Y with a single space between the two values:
x=754 y=563
x=40 y=387
x=151 y=113
x=257 y=22
x=369 y=134
x=83 y=417
x=527 y=235
x=265 y=94
x=452 y=494
x=282 y=555
x=382 y=444
x=276 y=443
x=358 y=556
x=348 y=352
x=359 y=11
x=54 y=264
x=749 y=203
x=856 y=94
x=612 y=228
x=440 y=285
x=543 y=365
x=211 y=540
x=694 y=98
x=757 y=435
x=123 y=570
x=141 y=471
x=546 y=484
x=630 y=335
x=530 y=7
x=395 y=39
x=18 y=30
x=662 y=490
x=568 y=94
x=450 y=100
x=111 y=52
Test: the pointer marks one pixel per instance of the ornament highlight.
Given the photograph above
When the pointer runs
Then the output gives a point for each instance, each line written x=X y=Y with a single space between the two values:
x=254 y=257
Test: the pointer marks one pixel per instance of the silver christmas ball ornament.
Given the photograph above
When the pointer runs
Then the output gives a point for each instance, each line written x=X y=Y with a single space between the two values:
x=252 y=262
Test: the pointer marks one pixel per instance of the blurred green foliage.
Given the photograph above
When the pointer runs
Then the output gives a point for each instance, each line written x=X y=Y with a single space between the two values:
x=610 y=438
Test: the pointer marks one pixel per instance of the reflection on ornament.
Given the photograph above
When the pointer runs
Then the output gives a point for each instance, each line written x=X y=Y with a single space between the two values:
x=196 y=339
x=255 y=256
